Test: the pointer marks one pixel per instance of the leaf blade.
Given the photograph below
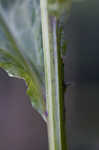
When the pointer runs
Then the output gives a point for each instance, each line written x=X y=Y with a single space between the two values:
x=17 y=60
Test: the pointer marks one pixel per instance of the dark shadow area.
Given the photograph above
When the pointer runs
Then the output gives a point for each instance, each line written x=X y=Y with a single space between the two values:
x=81 y=70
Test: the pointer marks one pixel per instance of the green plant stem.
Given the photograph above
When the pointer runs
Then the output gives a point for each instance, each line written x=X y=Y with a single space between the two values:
x=53 y=79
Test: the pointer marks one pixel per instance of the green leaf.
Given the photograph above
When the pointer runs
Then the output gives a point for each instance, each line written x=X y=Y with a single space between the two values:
x=21 y=52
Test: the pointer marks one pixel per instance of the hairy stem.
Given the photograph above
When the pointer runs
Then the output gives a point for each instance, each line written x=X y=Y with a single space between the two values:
x=53 y=79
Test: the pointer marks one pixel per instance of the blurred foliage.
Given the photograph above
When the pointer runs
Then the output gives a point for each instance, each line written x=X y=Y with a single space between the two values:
x=58 y=7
